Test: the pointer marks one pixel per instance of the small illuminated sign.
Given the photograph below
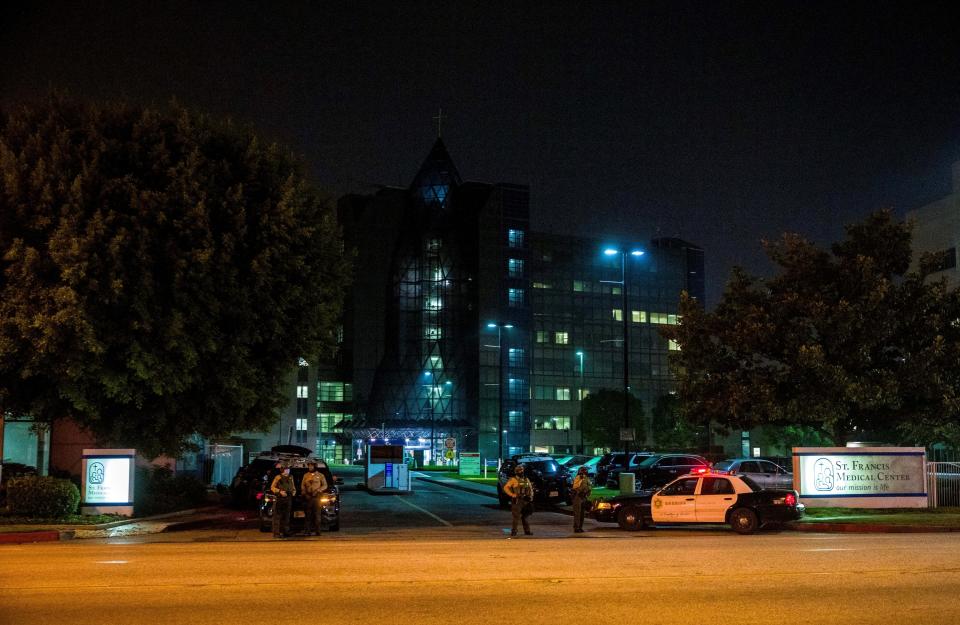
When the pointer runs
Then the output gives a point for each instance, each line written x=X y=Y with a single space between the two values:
x=108 y=481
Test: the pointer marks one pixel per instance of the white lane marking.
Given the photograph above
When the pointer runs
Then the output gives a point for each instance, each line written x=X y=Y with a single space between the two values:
x=111 y=562
x=829 y=549
x=426 y=512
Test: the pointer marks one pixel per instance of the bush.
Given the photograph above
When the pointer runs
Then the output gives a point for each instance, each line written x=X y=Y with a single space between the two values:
x=158 y=490
x=42 y=497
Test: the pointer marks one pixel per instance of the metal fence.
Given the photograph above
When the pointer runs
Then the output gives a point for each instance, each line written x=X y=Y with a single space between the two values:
x=943 y=484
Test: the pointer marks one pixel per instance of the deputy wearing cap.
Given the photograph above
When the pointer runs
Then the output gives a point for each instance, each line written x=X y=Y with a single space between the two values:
x=581 y=498
x=520 y=491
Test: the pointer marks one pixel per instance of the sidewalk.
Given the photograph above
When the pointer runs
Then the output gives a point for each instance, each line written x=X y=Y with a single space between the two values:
x=171 y=521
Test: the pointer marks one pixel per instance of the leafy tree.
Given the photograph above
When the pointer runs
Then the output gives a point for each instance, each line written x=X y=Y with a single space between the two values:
x=602 y=417
x=161 y=271
x=672 y=430
x=845 y=341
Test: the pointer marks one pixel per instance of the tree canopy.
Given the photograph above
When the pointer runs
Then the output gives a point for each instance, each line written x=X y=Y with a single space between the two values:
x=601 y=417
x=161 y=271
x=845 y=340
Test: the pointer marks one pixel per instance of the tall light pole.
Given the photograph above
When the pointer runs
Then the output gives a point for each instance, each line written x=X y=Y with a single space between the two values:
x=580 y=395
x=625 y=314
x=500 y=368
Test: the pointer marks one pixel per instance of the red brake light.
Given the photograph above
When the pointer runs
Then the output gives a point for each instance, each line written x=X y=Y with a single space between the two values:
x=259 y=496
x=700 y=470
x=790 y=499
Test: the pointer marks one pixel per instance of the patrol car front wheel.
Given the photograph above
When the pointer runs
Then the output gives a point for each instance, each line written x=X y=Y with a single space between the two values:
x=630 y=518
x=744 y=521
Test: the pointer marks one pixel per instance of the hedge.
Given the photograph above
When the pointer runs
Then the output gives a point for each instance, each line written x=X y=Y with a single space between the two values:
x=42 y=497
x=158 y=491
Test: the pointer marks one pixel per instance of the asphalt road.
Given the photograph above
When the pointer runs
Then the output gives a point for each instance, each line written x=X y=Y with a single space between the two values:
x=403 y=565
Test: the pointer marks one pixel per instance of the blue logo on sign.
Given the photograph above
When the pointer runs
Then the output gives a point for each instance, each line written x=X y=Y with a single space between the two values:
x=95 y=473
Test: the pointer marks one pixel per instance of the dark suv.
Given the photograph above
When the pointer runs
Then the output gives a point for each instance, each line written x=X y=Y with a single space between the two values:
x=612 y=464
x=330 y=500
x=658 y=469
x=549 y=479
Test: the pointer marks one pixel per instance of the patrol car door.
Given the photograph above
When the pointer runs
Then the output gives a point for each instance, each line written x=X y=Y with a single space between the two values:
x=716 y=496
x=676 y=502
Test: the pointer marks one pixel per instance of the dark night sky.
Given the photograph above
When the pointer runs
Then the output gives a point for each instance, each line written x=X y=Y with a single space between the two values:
x=723 y=123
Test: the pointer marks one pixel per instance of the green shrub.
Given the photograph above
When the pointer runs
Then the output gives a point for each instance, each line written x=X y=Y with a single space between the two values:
x=157 y=490
x=42 y=497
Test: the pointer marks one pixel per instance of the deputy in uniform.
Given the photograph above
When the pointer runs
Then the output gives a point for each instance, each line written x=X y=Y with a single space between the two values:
x=581 y=498
x=313 y=485
x=284 y=489
x=520 y=491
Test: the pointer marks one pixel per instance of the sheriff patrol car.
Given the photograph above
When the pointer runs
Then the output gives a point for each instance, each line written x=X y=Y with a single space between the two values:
x=703 y=498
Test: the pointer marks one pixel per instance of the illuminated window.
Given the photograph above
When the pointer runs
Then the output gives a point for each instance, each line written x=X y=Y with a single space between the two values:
x=639 y=316
x=673 y=346
x=578 y=285
x=542 y=285
x=515 y=357
x=434 y=303
x=301 y=425
x=515 y=238
x=432 y=332
x=301 y=392
x=561 y=338
x=515 y=298
x=543 y=336
x=563 y=393
x=616 y=290
x=551 y=423
x=617 y=314
x=326 y=421
x=335 y=391
x=515 y=267
x=583 y=393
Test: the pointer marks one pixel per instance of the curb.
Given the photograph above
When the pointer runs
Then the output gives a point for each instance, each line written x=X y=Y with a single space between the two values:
x=31 y=537
x=67 y=532
x=868 y=528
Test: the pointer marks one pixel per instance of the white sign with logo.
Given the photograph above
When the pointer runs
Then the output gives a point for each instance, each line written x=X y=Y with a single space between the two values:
x=108 y=481
x=861 y=477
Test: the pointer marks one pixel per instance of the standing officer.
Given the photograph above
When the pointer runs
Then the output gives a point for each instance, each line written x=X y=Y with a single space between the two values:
x=520 y=491
x=284 y=489
x=313 y=485
x=581 y=498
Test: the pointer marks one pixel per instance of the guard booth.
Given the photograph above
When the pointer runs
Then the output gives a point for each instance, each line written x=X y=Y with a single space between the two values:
x=386 y=469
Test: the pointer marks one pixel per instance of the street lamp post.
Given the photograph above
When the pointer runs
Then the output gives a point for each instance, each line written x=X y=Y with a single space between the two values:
x=580 y=395
x=500 y=368
x=624 y=313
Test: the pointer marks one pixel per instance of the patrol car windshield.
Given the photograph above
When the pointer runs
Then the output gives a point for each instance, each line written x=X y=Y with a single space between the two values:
x=547 y=467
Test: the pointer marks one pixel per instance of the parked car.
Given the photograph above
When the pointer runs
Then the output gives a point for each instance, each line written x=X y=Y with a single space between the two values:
x=656 y=470
x=763 y=472
x=568 y=461
x=703 y=498
x=549 y=479
x=611 y=464
x=330 y=500
x=591 y=466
